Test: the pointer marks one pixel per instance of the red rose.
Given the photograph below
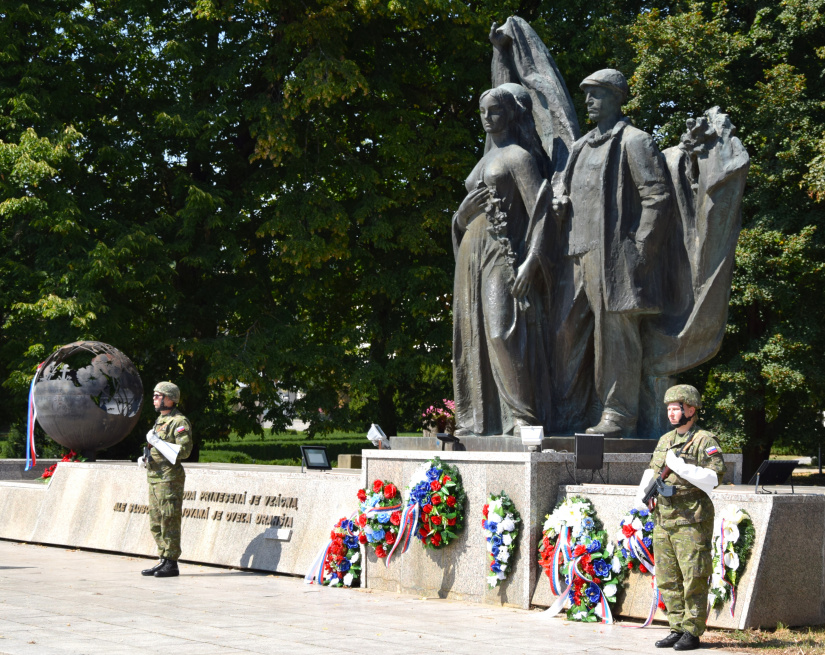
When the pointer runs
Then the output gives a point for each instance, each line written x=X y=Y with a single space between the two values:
x=423 y=532
x=628 y=531
x=445 y=479
x=362 y=520
x=436 y=520
x=395 y=518
x=435 y=540
x=379 y=551
x=427 y=508
x=332 y=535
x=436 y=499
x=630 y=566
x=484 y=510
x=377 y=486
x=642 y=568
x=390 y=491
x=579 y=550
x=389 y=537
x=450 y=521
x=451 y=502
x=362 y=495
x=435 y=485
x=362 y=538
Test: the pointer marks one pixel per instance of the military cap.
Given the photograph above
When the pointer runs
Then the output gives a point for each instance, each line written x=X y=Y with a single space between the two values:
x=684 y=393
x=608 y=78
x=169 y=390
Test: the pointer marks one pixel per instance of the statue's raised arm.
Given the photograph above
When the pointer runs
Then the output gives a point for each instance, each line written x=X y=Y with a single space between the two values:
x=519 y=56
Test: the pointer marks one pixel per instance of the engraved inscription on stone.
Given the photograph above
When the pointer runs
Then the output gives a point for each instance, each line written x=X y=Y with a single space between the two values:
x=270 y=521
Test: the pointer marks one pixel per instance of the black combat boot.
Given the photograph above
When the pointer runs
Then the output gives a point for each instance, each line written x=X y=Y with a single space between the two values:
x=670 y=640
x=156 y=567
x=168 y=570
x=687 y=642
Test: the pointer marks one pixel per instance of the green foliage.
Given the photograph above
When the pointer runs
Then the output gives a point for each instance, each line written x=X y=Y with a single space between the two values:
x=761 y=62
x=254 y=199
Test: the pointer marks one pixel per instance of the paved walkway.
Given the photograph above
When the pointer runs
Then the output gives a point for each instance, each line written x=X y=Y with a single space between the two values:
x=59 y=601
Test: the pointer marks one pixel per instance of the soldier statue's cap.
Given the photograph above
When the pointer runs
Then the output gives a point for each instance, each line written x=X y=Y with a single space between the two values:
x=609 y=78
x=684 y=393
x=169 y=390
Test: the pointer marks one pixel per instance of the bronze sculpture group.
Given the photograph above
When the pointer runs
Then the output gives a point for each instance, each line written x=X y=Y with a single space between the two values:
x=589 y=271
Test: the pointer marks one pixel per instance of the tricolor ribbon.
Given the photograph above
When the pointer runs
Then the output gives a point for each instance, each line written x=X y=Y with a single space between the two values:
x=316 y=570
x=406 y=530
x=722 y=564
x=31 y=452
x=562 y=550
x=641 y=552
x=575 y=572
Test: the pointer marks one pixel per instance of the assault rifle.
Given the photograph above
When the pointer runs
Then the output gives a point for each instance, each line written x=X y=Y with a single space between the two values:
x=657 y=486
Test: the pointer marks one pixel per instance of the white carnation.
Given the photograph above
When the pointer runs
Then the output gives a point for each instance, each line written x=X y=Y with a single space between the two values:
x=503 y=555
x=610 y=590
x=507 y=525
x=495 y=518
x=507 y=539
x=348 y=580
x=615 y=565
x=492 y=580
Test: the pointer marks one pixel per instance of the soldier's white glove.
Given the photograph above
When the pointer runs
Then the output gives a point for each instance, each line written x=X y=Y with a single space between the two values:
x=141 y=462
x=647 y=476
x=705 y=479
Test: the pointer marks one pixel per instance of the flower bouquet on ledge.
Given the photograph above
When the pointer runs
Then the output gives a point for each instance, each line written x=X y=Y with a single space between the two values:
x=379 y=516
x=440 y=419
x=635 y=540
x=437 y=490
x=71 y=457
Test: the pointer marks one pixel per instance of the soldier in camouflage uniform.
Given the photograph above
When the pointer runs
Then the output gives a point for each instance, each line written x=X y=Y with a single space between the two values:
x=684 y=522
x=166 y=480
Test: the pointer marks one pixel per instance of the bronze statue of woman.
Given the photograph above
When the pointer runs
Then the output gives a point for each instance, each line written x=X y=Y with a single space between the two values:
x=500 y=295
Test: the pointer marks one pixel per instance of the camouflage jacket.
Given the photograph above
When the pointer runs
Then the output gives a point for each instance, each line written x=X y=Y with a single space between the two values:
x=689 y=504
x=174 y=427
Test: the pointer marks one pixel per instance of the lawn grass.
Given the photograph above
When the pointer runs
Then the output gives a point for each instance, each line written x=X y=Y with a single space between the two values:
x=282 y=448
x=782 y=641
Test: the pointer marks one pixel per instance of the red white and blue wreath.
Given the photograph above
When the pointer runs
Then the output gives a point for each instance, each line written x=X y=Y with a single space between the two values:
x=500 y=525
x=434 y=511
x=635 y=543
x=574 y=549
x=339 y=562
x=379 y=516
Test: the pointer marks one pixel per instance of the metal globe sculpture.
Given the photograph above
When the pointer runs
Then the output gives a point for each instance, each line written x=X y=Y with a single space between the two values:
x=88 y=396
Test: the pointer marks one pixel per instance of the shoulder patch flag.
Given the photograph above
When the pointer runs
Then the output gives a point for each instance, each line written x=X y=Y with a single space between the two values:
x=183 y=427
x=712 y=450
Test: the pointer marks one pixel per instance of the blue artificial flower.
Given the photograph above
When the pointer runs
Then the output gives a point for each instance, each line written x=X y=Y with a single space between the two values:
x=624 y=552
x=372 y=501
x=343 y=565
x=377 y=535
x=588 y=523
x=648 y=542
x=420 y=493
x=383 y=517
x=495 y=540
x=643 y=513
x=495 y=567
x=594 y=546
x=572 y=596
x=495 y=551
x=492 y=526
x=593 y=592
x=634 y=511
x=351 y=542
x=601 y=568
x=649 y=526
x=433 y=474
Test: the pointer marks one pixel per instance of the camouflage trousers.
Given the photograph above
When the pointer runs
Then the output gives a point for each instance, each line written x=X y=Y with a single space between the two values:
x=683 y=565
x=165 y=509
